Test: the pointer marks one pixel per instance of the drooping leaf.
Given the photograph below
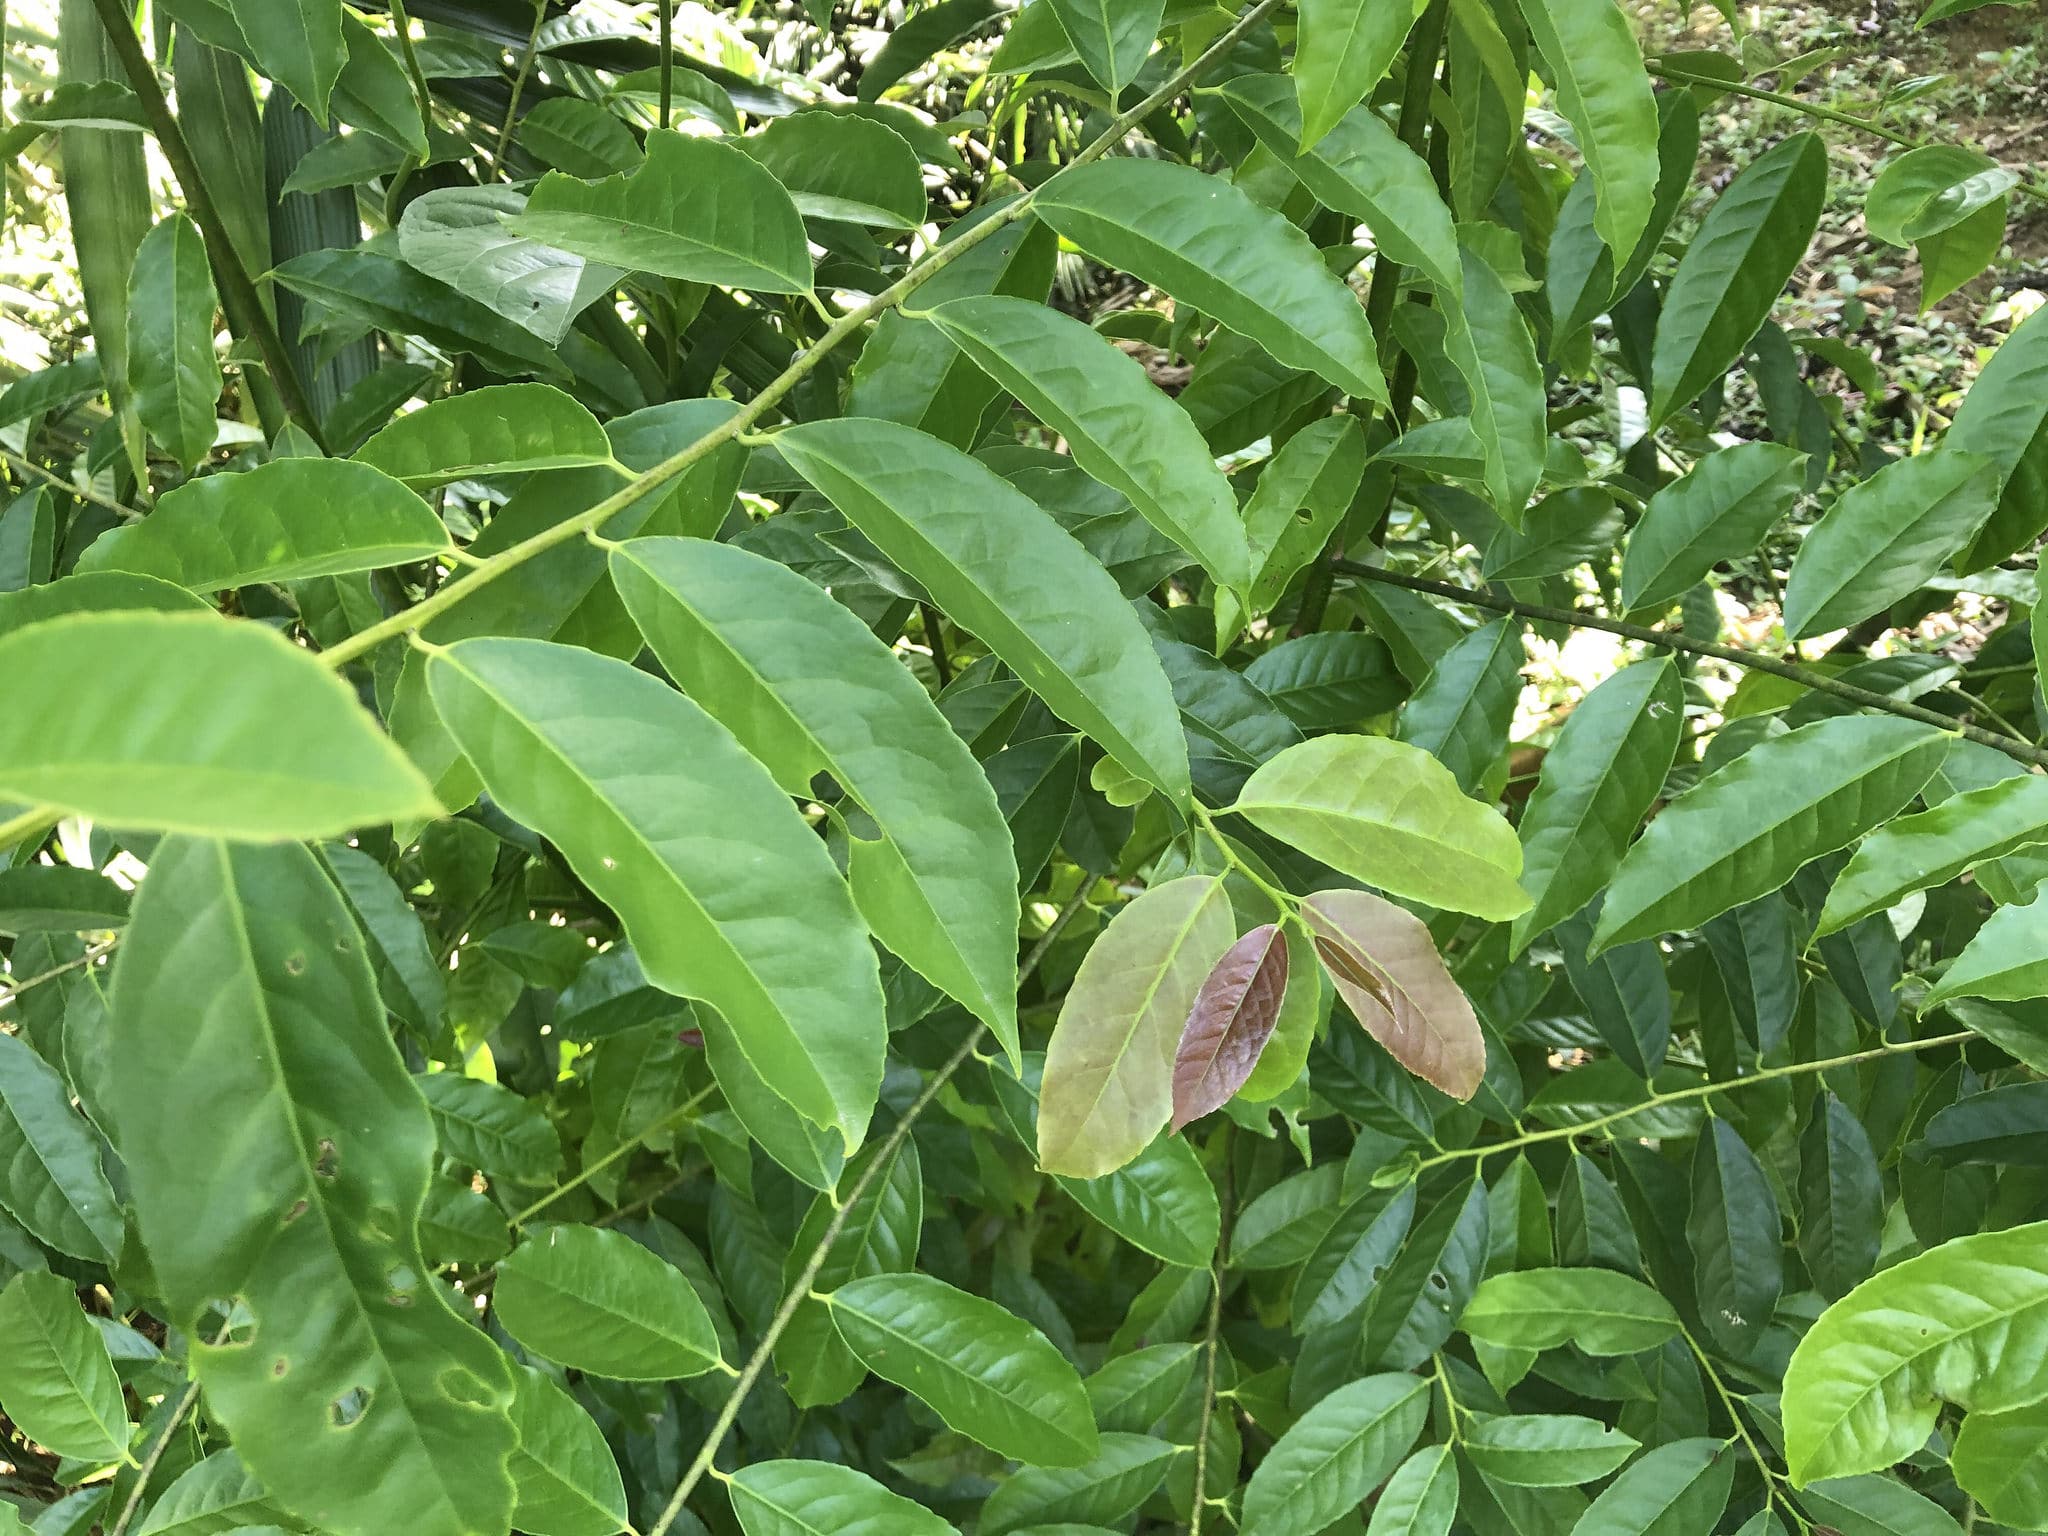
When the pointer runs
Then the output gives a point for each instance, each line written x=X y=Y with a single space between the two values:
x=697 y=209
x=1723 y=843
x=985 y=1372
x=1489 y=344
x=1461 y=714
x=597 y=1301
x=1232 y=1018
x=1931 y=189
x=59 y=1386
x=1604 y=93
x=1003 y=569
x=50 y=1176
x=1917 y=852
x=2004 y=418
x=246 y=1030
x=1421 y=1498
x=1118 y=425
x=1209 y=245
x=1719 y=510
x=1303 y=491
x=1112 y=37
x=1334 y=1455
x=171 y=366
x=2007 y=959
x=799 y=1498
x=644 y=793
x=297 y=43
x=458 y=236
x=1735 y=1239
x=1344 y=51
x=244 y=734
x=1108 y=1087
x=1754 y=235
x=1672 y=1489
x=1963 y=1322
x=286 y=520
x=1387 y=812
x=564 y=1477
x=507 y=429
x=841 y=167
x=1841 y=1198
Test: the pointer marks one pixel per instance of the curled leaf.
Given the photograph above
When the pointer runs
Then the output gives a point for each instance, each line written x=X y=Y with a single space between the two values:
x=1390 y=976
x=1229 y=1025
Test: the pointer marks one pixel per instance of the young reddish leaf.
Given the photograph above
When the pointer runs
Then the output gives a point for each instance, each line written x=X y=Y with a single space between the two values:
x=1388 y=972
x=1229 y=1025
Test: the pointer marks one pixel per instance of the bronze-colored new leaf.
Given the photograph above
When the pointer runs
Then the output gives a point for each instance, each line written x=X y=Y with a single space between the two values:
x=1229 y=1025
x=1389 y=974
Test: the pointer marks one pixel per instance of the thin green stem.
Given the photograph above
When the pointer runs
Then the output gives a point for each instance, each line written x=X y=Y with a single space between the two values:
x=1452 y=1407
x=418 y=76
x=83 y=493
x=667 y=12
x=1199 y=1500
x=1671 y=639
x=1772 y=1479
x=1779 y=98
x=156 y=1455
x=10 y=993
x=800 y=1289
x=526 y=58
x=1685 y=1095
x=933 y=261
x=668 y=1121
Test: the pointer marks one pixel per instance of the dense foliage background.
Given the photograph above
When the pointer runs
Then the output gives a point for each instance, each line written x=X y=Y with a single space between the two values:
x=1108 y=767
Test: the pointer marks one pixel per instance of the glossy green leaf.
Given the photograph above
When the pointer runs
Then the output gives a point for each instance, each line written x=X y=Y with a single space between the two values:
x=1112 y=37
x=458 y=235
x=1872 y=1505
x=1108 y=1087
x=1547 y=1450
x=1209 y=245
x=1599 y=780
x=1883 y=538
x=1565 y=529
x=50 y=1176
x=59 y=1385
x=2007 y=959
x=1601 y=1312
x=1344 y=51
x=1914 y=853
x=565 y=1480
x=1131 y=1392
x=2001 y=1461
x=1999 y=1125
x=286 y=520
x=1625 y=991
x=1052 y=1501
x=507 y=429
x=1964 y=1322
x=1004 y=570
x=2004 y=418
x=1841 y=1199
x=1341 y=1271
x=1721 y=843
x=98 y=592
x=246 y=1030
x=1673 y=1490
x=841 y=167
x=214 y=1493
x=1332 y=678
x=1410 y=1313
x=1734 y=1234
x=246 y=735
x=816 y=1498
x=1421 y=1498
x=1360 y=167
x=1302 y=493
x=1389 y=813
x=1717 y=511
x=489 y=1127
x=1461 y=714
x=1282 y=1226
x=297 y=43
x=1931 y=189
x=597 y=1301
x=698 y=209
x=986 y=1373
x=171 y=367
x=574 y=135
x=1604 y=93
x=591 y=752
x=54 y=898
x=1118 y=425
x=1489 y=344
x=1334 y=1455
x=1751 y=239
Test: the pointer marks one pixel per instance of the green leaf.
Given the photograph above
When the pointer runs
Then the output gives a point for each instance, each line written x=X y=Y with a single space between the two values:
x=1339 y=1276
x=1317 y=473
x=1110 y=1486
x=214 y=1493
x=1208 y=244
x=1841 y=1198
x=1112 y=37
x=1730 y=839
x=808 y=688
x=841 y=167
x=2000 y=1125
x=573 y=135
x=54 y=898
x=285 y=520
x=2001 y=1461
x=1421 y=1498
x=1334 y=1455
x=1001 y=568
x=171 y=367
x=1932 y=848
x=246 y=1032
x=1604 y=93
x=1599 y=780
x=1883 y=539
x=458 y=236
x=2006 y=960
x=1931 y=189
x=374 y=93
x=565 y=1480
x=1954 y=256
x=297 y=43
x=100 y=592
x=502 y=430
x=1359 y=167
x=1282 y=1225
x=698 y=210
x=1462 y=712
x=1118 y=425
x=916 y=38
x=1962 y=1322
x=1344 y=50
x=2004 y=418
x=1674 y=1490
x=1332 y=678
x=489 y=1127
x=1547 y=1450
x=816 y=1498
x=1720 y=510
x=1625 y=992
x=1565 y=529
x=50 y=1176
x=1489 y=344
x=1132 y=1392
x=1601 y=1312
x=1876 y=1506
x=596 y=1301
x=644 y=793
x=1734 y=1234
x=1747 y=246
x=246 y=735
x=1389 y=813
x=1410 y=1313
x=1108 y=1087
x=986 y=1373
x=1387 y=970
x=59 y=1385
